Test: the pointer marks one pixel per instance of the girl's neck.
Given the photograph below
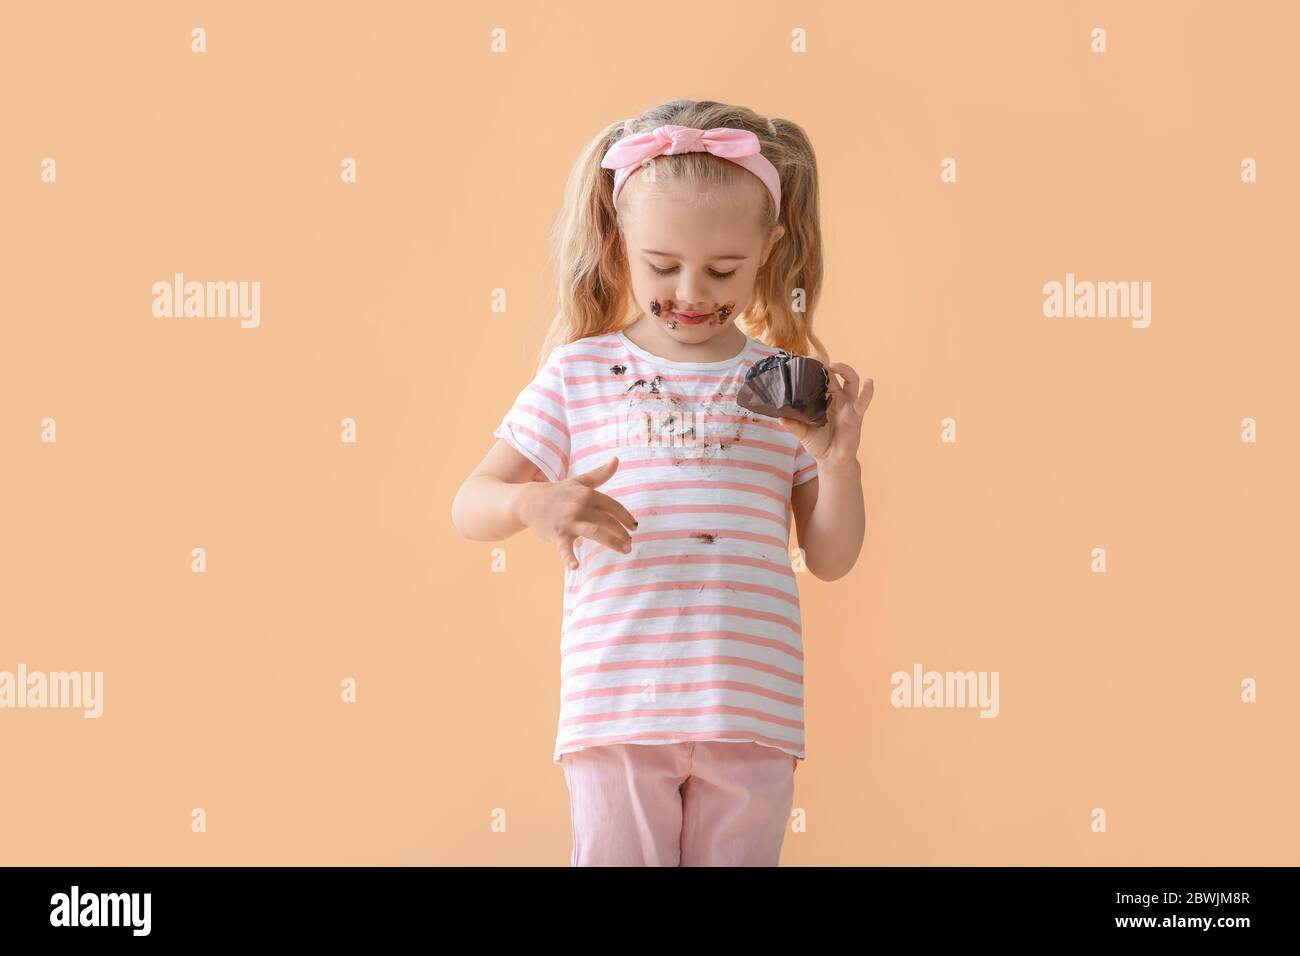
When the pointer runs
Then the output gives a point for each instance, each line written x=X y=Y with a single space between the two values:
x=646 y=333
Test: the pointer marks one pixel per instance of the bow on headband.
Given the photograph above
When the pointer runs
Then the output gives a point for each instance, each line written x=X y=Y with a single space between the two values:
x=739 y=146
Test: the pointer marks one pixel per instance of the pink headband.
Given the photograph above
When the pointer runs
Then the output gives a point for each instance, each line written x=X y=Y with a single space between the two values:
x=739 y=146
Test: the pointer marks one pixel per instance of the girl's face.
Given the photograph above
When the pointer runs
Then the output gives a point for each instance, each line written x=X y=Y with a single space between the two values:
x=693 y=260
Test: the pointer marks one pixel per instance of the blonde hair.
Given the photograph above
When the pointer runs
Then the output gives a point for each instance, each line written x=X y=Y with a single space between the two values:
x=593 y=285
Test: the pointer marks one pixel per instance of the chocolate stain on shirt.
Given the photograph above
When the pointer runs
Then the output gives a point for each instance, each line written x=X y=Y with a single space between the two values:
x=708 y=443
x=655 y=387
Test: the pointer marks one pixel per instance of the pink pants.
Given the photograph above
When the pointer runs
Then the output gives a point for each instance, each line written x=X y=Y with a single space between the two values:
x=708 y=803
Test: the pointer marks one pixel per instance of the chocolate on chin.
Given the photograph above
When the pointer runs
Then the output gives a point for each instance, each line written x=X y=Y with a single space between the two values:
x=787 y=386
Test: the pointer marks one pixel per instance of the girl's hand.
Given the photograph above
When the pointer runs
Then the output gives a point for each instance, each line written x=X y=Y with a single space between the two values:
x=836 y=442
x=561 y=511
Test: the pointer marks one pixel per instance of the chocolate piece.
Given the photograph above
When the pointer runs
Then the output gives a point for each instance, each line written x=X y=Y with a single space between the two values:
x=655 y=307
x=787 y=386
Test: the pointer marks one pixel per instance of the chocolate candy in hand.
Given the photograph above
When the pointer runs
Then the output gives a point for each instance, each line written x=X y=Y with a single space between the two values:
x=787 y=386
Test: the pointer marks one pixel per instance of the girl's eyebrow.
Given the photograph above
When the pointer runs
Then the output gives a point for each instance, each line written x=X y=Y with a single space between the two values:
x=673 y=255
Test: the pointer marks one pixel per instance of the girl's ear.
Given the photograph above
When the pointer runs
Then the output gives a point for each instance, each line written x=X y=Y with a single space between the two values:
x=772 y=239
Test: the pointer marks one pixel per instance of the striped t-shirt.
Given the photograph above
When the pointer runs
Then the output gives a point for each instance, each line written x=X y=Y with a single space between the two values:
x=696 y=634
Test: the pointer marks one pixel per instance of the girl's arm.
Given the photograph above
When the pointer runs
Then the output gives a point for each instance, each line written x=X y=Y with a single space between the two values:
x=507 y=493
x=828 y=510
x=486 y=507
x=830 y=518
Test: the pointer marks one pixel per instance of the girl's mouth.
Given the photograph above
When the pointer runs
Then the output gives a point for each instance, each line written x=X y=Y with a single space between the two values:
x=692 y=318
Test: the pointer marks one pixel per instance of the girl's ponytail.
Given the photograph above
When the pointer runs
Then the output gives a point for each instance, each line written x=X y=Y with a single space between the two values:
x=789 y=285
x=591 y=276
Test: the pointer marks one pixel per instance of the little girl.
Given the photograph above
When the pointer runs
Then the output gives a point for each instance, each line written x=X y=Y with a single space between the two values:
x=689 y=248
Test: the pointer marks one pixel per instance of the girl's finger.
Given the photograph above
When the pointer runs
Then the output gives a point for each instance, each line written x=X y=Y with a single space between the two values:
x=795 y=427
x=614 y=507
x=603 y=528
x=850 y=380
x=833 y=385
x=864 y=399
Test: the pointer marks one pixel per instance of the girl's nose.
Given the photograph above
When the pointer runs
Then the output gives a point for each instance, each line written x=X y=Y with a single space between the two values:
x=692 y=295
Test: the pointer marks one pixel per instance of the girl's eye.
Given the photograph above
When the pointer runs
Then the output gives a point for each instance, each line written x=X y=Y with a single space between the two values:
x=716 y=275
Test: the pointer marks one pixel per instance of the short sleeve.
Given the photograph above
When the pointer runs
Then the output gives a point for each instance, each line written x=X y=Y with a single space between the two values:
x=805 y=466
x=537 y=424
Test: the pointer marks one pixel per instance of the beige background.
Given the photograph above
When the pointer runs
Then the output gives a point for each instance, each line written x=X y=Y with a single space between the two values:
x=328 y=560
